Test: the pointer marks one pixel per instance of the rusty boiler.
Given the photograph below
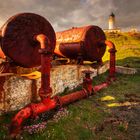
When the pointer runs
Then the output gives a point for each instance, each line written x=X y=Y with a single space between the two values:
x=17 y=39
x=84 y=42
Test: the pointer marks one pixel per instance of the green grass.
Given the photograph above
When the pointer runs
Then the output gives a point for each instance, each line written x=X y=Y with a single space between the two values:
x=128 y=49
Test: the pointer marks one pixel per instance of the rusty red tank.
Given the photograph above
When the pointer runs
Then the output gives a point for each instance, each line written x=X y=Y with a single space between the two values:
x=18 y=38
x=81 y=41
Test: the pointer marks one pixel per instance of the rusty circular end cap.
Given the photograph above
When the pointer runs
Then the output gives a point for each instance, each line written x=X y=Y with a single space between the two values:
x=18 y=38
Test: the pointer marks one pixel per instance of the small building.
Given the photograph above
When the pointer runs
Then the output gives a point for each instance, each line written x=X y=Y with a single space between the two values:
x=112 y=25
x=133 y=30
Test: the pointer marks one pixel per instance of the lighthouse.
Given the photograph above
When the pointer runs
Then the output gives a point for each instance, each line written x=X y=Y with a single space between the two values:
x=111 y=21
x=112 y=28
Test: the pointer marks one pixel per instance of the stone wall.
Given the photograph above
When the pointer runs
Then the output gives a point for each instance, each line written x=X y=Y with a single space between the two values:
x=16 y=91
x=126 y=70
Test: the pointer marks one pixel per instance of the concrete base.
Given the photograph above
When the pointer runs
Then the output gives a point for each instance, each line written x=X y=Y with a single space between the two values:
x=16 y=91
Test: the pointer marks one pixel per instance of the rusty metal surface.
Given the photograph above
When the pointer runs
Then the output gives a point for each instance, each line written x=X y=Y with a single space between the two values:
x=70 y=49
x=88 y=38
x=2 y=55
x=18 y=38
x=112 y=50
x=46 y=53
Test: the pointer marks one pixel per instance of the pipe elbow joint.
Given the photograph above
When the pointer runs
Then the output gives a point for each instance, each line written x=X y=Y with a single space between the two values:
x=43 y=40
x=111 y=46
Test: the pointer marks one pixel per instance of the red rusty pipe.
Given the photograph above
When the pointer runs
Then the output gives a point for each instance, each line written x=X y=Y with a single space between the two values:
x=110 y=44
x=46 y=53
x=100 y=86
x=22 y=115
x=2 y=55
x=45 y=105
x=67 y=99
x=44 y=91
x=48 y=104
x=112 y=52
x=43 y=40
x=31 y=110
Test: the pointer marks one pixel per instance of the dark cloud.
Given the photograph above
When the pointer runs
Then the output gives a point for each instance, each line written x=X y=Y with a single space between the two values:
x=128 y=12
x=64 y=14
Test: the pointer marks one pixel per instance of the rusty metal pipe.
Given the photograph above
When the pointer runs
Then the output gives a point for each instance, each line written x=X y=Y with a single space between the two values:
x=100 y=86
x=112 y=51
x=30 y=111
x=48 y=104
x=45 y=89
x=67 y=99
x=46 y=53
x=2 y=55
x=18 y=119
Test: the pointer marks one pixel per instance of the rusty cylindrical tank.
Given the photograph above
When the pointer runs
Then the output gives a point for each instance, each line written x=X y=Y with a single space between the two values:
x=17 y=38
x=81 y=41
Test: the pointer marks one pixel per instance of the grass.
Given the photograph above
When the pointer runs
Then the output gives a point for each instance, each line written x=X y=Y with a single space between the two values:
x=86 y=119
x=128 y=49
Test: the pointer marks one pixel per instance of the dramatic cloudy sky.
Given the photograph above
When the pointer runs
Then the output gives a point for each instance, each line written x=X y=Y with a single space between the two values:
x=64 y=14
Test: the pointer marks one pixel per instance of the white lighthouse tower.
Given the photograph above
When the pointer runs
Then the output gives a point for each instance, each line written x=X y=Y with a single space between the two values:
x=112 y=28
x=111 y=22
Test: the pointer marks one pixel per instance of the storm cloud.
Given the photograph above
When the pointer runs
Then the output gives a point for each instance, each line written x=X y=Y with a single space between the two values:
x=63 y=14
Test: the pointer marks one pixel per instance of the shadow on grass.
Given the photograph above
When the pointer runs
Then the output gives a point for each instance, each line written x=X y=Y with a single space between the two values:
x=133 y=62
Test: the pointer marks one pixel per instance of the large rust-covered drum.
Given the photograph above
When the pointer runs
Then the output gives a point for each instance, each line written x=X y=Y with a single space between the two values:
x=81 y=41
x=18 y=38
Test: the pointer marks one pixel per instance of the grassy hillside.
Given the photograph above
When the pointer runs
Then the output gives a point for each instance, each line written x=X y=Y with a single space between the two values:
x=128 y=49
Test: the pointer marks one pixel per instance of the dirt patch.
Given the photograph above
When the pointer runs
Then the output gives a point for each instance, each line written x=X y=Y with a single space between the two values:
x=124 y=121
x=132 y=98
